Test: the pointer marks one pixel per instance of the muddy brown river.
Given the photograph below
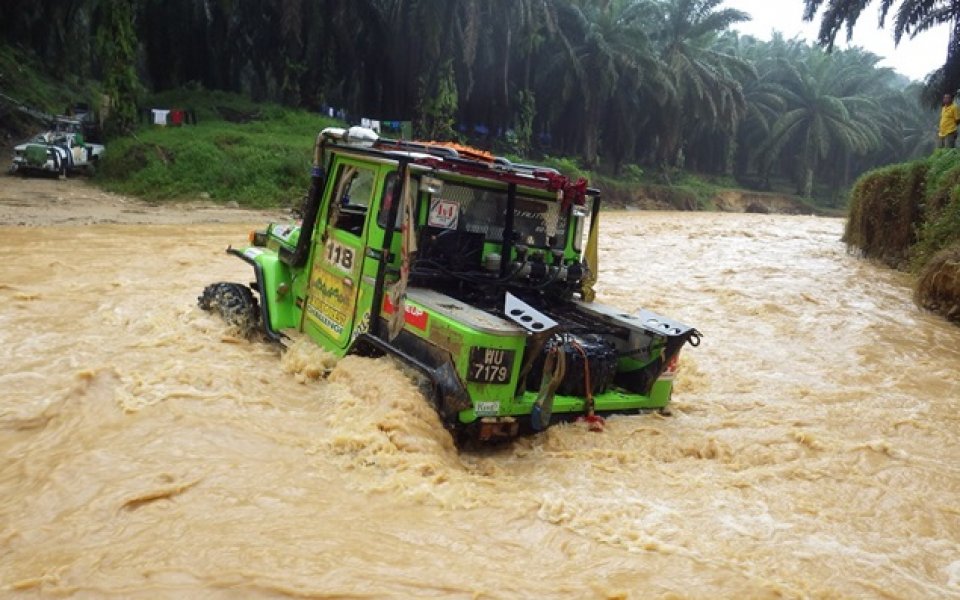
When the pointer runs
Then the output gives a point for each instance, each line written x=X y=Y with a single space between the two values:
x=147 y=452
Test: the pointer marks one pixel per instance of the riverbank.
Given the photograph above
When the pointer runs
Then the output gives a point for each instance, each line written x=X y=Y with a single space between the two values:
x=662 y=197
x=908 y=217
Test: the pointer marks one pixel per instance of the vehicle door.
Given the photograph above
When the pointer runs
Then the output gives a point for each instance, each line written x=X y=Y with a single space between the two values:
x=339 y=250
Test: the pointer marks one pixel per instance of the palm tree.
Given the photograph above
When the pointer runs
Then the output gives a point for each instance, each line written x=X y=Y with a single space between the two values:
x=822 y=113
x=705 y=76
x=910 y=18
x=598 y=50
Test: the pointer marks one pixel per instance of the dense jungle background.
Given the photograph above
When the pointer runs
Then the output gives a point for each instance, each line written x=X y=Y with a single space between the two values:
x=621 y=86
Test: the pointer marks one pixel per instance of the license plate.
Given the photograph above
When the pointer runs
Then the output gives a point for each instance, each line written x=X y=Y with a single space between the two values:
x=490 y=365
x=487 y=409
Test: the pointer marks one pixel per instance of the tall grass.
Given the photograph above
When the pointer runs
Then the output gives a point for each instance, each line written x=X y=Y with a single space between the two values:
x=885 y=211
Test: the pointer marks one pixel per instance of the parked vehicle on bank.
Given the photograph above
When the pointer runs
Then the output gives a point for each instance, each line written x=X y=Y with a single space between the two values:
x=60 y=150
x=475 y=271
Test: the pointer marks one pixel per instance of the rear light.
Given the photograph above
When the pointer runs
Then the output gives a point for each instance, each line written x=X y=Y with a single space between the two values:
x=672 y=367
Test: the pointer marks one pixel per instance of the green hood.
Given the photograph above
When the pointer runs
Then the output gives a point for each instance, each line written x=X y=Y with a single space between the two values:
x=36 y=155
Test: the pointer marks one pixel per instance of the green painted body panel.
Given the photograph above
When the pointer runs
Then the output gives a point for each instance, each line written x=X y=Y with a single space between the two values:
x=609 y=401
x=283 y=312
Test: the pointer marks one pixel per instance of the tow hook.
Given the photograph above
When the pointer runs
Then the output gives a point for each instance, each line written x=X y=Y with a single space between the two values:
x=498 y=428
x=594 y=422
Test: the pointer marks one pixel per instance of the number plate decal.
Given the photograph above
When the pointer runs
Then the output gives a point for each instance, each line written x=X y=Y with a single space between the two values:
x=490 y=365
x=487 y=409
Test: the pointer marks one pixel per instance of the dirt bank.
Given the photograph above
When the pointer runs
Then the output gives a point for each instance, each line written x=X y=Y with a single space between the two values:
x=661 y=197
x=38 y=202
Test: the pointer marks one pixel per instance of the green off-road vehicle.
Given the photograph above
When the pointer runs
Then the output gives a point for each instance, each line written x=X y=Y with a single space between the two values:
x=475 y=271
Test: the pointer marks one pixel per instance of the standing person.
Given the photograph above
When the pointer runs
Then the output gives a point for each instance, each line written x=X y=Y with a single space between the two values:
x=948 y=122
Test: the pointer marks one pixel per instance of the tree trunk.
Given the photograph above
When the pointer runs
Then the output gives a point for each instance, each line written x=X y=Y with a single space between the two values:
x=808 y=183
x=730 y=160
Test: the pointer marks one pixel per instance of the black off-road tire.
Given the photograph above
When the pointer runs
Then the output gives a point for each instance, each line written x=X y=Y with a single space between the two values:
x=235 y=303
x=61 y=165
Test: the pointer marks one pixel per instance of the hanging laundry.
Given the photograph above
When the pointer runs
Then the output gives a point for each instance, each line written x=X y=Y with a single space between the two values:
x=176 y=117
x=160 y=116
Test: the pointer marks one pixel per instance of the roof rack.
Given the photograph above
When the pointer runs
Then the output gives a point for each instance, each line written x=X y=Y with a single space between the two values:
x=462 y=159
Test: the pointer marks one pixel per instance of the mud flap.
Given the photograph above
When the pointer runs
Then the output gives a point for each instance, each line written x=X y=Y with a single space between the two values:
x=448 y=394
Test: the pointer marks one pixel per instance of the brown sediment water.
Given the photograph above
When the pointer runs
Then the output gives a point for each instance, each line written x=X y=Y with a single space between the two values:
x=146 y=451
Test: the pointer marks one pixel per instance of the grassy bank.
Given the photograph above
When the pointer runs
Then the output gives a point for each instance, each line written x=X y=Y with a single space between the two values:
x=908 y=216
x=254 y=155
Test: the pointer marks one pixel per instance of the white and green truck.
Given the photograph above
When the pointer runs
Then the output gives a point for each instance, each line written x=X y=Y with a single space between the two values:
x=58 y=151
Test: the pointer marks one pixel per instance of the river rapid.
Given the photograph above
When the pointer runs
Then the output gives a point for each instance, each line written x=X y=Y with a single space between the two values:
x=148 y=452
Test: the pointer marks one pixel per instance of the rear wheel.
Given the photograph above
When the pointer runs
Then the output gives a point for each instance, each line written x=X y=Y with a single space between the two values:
x=234 y=302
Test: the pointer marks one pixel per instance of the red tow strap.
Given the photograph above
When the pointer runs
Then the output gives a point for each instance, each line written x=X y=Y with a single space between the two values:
x=594 y=421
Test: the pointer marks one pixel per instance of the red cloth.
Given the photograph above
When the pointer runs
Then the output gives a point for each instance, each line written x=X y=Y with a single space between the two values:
x=176 y=117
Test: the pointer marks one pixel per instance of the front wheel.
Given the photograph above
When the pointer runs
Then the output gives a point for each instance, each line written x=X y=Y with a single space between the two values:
x=236 y=304
x=61 y=166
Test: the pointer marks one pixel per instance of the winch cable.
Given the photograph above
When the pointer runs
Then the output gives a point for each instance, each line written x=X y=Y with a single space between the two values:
x=594 y=421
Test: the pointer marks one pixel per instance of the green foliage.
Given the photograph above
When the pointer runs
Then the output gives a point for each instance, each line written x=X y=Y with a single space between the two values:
x=567 y=166
x=632 y=173
x=117 y=50
x=438 y=104
x=23 y=78
x=257 y=164
x=941 y=225
x=523 y=129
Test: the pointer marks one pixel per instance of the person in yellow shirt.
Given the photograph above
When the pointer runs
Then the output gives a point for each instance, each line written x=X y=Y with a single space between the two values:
x=948 y=122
